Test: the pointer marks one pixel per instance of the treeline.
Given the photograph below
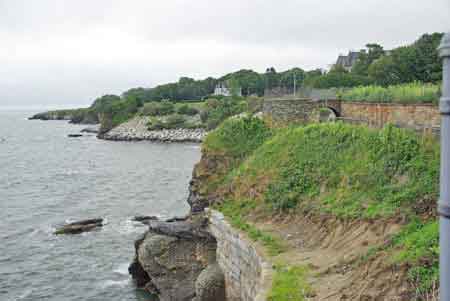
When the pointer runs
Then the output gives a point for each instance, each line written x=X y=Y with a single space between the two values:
x=418 y=62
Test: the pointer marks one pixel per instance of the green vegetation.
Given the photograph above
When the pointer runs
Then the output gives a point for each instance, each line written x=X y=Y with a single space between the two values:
x=290 y=283
x=351 y=172
x=158 y=108
x=237 y=138
x=405 y=93
x=187 y=110
x=417 y=246
x=338 y=77
x=418 y=62
x=217 y=110
x=235 y=212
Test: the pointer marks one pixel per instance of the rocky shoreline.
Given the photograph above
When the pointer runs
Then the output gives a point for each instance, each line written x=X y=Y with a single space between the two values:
x=136 y=129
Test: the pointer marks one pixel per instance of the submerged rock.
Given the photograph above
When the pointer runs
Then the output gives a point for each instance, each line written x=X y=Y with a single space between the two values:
x=144 y=218
x=80 y=226
x=91 y=130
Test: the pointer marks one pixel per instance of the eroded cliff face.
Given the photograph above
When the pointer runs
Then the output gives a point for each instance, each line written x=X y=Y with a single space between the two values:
x=202 y=188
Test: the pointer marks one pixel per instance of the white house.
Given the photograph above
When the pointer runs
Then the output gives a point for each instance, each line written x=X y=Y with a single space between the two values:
x=222 y=90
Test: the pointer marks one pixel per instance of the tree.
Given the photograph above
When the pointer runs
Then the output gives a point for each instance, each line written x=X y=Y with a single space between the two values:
x=271 y=78
x=374 y=52
x=429 y=65
x=287 y=78
x=382 y=71
x=340 y=79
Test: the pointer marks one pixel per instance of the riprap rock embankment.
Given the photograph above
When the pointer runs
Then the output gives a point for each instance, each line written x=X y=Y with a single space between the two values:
x=136 y=129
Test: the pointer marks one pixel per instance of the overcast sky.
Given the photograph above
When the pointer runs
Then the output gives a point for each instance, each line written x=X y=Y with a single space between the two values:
x=67 y=52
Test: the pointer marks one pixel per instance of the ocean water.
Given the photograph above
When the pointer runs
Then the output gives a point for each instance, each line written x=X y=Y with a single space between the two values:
x=47 y=179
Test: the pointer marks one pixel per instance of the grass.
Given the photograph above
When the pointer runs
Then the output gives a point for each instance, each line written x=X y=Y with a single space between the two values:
x=405 y=93
x=347 y=171
x=290 y=283
x=235 y=211
x=418 y=246
x=237 y=137
x=199 y=105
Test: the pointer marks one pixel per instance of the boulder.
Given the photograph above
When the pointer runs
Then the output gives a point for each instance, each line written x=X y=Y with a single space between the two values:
x=210 y=284
x=171 y=256
x=80 y=226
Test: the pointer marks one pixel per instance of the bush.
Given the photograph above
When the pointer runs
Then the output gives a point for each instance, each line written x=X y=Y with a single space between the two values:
x=155 y=125
x=404 y=93
x=238 y=137
x=187 y=110
x=217 y=111
x=175 y=121
x=158 y=108
x=171 y=122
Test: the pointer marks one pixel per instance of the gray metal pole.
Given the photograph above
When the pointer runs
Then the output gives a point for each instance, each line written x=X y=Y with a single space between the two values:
x=444 y=199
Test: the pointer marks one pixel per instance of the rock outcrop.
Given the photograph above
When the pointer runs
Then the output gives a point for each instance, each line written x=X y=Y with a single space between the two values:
x=80 y=226
x=173 y=260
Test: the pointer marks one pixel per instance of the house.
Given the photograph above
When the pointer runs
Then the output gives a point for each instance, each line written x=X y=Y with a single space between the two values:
x=348 y=61
x=222 y=90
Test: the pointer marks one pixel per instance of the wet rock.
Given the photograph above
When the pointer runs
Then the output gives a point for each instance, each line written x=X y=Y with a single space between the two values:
x=80 y=226
x=74 y=135
x=91 y=130
x=177 y=219
x=144 y=218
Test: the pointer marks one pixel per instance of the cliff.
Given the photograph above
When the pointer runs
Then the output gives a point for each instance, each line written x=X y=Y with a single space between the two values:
x=319 y=212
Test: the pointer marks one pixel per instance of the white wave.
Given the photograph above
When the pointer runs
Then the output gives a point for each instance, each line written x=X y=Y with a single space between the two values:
x=24 y=295
x=122 y=269
x=111 y=283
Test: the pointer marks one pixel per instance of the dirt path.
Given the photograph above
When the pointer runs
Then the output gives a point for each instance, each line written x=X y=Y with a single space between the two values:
x=332 y=249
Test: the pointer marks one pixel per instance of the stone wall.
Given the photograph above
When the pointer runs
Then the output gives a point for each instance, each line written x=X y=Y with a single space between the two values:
x=416 y=116
x=289 y=110
x=247 y=275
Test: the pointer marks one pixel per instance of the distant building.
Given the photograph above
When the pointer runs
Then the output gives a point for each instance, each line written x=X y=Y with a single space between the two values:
x=222 y=90
x=348 y=61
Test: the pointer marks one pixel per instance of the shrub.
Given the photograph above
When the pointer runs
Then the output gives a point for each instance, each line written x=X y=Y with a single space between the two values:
x=155 y=124
x=238 y=137
x=171 y=122
x=174 y=121
x=404 y=93
x=187 y=110
x=158 y=108
x=217 y=111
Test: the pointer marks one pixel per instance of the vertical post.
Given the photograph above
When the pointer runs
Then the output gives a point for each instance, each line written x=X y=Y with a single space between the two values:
x=295 y=84
x=444 y=198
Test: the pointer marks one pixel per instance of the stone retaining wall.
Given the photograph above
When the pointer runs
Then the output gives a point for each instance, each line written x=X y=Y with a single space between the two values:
x=290 y=110
x=247 y=275
x=416 y=116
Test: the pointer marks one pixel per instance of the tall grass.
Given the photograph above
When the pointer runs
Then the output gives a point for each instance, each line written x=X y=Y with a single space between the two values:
x=405 y=93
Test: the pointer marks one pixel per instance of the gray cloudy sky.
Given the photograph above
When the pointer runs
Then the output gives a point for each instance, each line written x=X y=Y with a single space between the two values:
x=67 y=52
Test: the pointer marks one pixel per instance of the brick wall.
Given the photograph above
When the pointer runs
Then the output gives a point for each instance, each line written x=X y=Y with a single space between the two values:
x=247 y=274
